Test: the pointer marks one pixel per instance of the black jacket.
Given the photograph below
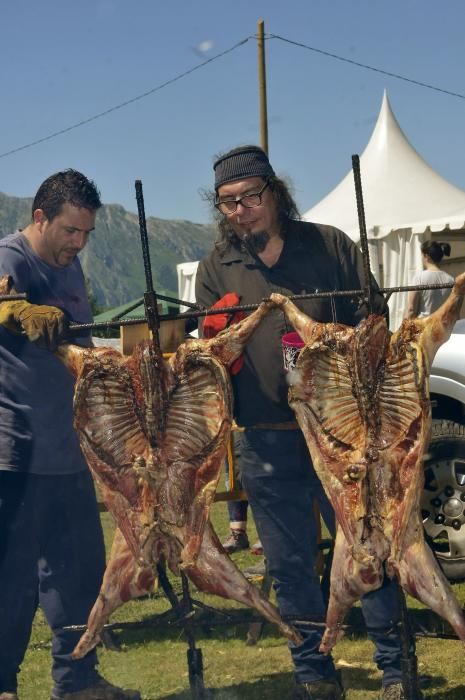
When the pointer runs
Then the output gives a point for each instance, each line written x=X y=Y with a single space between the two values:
x=315 y=258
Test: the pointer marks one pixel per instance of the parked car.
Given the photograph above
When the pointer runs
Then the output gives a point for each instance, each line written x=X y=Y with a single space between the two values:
x=443 y=499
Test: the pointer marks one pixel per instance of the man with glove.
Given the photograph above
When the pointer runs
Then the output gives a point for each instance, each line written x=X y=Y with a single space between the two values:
x=51 y=547
x=262 y=248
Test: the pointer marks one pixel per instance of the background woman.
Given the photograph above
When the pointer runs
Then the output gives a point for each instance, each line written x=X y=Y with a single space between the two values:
x=423 y=302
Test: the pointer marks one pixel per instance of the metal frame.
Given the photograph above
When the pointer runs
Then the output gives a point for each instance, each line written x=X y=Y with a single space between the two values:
x=186 y=610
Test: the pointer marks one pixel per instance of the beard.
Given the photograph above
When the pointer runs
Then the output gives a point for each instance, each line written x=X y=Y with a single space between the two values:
x=256 y=242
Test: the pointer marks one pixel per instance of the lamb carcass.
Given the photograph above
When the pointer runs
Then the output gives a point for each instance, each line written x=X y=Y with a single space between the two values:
x=155 y=433
x=361 y=398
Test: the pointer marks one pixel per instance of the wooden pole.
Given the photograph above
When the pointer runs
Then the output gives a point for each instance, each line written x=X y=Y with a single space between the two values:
x=262 y=85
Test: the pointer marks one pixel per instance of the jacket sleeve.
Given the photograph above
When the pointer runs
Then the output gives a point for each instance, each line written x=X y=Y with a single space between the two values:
x=206 y=293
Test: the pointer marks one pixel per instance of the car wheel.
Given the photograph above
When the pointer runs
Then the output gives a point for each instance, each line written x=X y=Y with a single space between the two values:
x=443 y=498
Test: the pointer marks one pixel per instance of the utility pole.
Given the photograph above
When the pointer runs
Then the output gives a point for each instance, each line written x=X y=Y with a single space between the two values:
x=262 y=85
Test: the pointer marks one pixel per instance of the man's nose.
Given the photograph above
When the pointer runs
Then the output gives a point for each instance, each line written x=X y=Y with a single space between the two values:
x=80 y=239
x=240 y=209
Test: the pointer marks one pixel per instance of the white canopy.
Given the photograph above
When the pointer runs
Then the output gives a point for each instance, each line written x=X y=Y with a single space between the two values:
x=186 y=282
x=186 y=285
x=400 y=189
x=404 y=200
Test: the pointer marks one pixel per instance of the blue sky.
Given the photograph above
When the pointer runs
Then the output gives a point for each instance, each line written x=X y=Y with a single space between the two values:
x=64 y=62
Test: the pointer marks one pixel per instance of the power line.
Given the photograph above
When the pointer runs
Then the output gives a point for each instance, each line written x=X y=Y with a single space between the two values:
x=127 y=102
x=214 y=58
x=364 y=65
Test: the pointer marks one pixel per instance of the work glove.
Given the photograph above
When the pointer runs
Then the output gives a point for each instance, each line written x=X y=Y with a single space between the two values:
x=44 y=325
x=214 y=324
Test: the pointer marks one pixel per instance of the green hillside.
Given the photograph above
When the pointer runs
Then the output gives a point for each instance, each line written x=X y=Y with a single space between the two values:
x=112 y=261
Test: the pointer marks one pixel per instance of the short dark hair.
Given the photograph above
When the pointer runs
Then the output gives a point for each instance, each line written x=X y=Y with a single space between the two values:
x=66 y=187
x=435 y=250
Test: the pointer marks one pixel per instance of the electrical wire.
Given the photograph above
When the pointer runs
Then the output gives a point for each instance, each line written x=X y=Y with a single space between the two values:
x=367 y=67
x=126 y=102
x=329 y=54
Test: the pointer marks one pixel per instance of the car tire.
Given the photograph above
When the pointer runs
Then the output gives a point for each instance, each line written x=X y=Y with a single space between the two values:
x=443 y=498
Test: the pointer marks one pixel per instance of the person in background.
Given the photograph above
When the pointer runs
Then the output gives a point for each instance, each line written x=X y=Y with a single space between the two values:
x=51 y=547
x=238 y=539
x=264 y=248
x=422 y=302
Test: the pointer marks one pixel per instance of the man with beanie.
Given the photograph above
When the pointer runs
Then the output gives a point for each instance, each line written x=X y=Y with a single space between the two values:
x=263 y=247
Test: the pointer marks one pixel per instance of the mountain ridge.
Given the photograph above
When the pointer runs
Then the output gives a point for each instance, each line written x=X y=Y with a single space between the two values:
x=112 y=260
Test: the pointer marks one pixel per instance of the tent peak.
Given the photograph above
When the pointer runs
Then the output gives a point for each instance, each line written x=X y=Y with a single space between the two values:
x=400 y=187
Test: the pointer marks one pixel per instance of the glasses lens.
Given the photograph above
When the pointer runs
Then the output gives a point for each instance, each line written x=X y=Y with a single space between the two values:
x=228 y=206
x=251 y=200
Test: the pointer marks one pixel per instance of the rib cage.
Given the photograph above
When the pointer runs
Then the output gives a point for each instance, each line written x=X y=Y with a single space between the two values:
x=361 y=399
x=155 y=435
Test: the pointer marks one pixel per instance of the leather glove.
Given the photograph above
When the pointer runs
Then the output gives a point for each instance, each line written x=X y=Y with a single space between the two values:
x=43 y=325
x=214 y=324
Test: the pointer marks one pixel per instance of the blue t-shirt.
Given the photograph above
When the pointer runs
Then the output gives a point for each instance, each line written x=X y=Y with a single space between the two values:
x=36 y=389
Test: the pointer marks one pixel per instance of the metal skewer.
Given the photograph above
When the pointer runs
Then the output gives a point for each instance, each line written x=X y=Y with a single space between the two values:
x=12 y=297
x=118 y=321
x=363 y=232
x=194 y=654
x=150 y=298
x=408 y=661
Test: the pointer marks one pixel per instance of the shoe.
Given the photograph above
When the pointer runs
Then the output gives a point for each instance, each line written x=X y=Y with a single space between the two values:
x=236 y=541
x=103 y=690
x=319 y=690
x=8 y=696
x=257 y=548
x=257 y=571
x=394 y=691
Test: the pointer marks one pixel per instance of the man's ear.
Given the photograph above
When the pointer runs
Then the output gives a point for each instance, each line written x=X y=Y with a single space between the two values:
x=38 y=216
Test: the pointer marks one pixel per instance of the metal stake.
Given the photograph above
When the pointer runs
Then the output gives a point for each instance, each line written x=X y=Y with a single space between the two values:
x=408 y=661
x=150 y=298
x=363 y=232
x=194 y=654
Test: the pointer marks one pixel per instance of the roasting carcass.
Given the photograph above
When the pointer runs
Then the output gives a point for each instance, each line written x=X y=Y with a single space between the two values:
x=155 y=434
x=361 y=397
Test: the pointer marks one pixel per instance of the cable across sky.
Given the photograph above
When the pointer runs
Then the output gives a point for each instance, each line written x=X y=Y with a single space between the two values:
x=208 y=61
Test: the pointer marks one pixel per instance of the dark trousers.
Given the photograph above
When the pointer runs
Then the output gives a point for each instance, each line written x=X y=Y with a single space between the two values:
x=281 y=485
x=237 y=510
x=51 y=554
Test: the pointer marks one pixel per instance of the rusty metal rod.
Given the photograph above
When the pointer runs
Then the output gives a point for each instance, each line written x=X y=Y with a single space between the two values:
x=178 y=302
x=12 y=297
x=363 y=232
x=249 y=307
x=150 y=297
x=222 y=617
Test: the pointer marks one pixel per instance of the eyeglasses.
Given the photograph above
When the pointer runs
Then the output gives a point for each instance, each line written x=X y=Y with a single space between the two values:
x=249 y=200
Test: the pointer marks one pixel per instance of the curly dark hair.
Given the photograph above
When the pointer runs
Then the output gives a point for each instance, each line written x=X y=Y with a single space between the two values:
x=287 y=209
x=435 y=250
x=66 y=187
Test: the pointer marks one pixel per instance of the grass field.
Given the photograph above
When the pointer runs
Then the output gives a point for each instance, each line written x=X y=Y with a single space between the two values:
x=153 y=658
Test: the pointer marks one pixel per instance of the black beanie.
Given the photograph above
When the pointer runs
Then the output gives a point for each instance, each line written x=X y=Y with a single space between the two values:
x=241 y=163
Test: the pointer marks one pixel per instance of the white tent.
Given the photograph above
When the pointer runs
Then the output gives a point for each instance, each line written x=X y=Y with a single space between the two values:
x=186 y=282
x=186 y=285
x=405 y=201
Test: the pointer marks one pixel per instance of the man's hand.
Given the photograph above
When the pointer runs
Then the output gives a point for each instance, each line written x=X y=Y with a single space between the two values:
x=43 y=325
